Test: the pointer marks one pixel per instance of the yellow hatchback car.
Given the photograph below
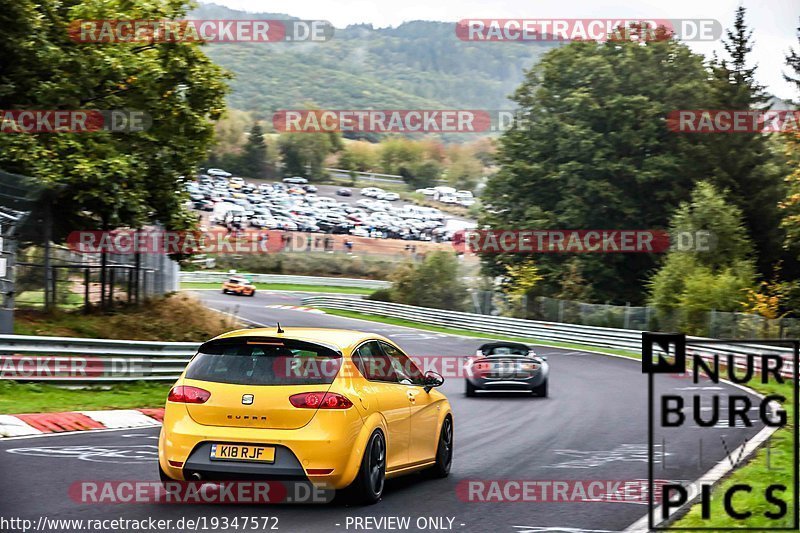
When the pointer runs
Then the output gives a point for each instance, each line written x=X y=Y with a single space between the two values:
x=340 y=409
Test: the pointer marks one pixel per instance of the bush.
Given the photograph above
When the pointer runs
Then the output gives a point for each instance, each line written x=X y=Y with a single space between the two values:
x=310 y=264
x=433 y=283
x=381 y=295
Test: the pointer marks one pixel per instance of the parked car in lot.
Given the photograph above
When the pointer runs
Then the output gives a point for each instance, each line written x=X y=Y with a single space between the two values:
x=339 y=422
x=371 y=191
x=204 y=205
x=310 y=188
x=506 y=366
x=218 y=172
x=272 y=206
x=261 y=221
x=344 y=192
x=238 y=286
x=388 y=196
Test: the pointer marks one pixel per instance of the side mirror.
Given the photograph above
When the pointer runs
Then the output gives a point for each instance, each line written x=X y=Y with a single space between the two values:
x=432 y=380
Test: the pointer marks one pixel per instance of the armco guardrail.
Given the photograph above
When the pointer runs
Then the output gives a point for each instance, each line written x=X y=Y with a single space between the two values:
x=219 y=277
x=621 y=339
x=74 y=360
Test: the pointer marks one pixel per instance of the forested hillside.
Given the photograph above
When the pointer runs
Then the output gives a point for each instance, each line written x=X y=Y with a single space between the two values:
x=416 y=65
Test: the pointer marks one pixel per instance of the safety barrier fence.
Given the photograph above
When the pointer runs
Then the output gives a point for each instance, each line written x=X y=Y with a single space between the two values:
x=219 y=277
x=73 y=360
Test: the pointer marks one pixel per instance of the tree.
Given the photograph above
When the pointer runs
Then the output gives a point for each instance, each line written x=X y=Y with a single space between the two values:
x=106 y=179
x=422 y=175
x=304 y=154
x=398 y=152
x=434 y=283
x=742 y=163
x=464 y=169
x=595 y=154
x=691 y=283
x=253 y=161
x=791 y=203
x=519 y=283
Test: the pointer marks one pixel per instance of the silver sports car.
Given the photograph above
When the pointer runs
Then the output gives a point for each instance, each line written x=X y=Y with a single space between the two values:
x=506 y=366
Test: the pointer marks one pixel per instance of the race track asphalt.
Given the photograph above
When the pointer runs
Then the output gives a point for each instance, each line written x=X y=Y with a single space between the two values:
x=592 y=427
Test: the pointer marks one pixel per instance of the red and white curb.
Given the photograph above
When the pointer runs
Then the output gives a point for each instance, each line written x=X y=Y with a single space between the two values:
x=42 y=423
x=296 y=308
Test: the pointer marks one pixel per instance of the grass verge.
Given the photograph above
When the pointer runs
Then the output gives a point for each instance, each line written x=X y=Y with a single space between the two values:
x=772 y=464
x=287 y=287
x=17 y=398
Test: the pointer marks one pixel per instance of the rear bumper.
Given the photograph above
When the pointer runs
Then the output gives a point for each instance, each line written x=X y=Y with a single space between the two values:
x=508 y=383
x=285 y=467
x=331 y=441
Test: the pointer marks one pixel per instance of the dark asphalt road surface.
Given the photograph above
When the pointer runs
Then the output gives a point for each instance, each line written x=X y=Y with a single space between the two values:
x=592 y=427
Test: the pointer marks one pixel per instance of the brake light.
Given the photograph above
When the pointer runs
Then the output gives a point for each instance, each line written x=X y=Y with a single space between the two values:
x=481 y=367
x=187 y=394
x=320 y=400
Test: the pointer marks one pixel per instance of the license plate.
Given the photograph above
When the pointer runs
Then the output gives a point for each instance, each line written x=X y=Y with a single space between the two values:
x=230 y=452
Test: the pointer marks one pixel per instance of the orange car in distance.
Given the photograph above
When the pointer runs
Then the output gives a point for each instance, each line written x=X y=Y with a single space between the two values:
x=239 y=287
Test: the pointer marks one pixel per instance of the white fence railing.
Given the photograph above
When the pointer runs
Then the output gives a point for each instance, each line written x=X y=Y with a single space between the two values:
x=219 y=277
x=74 y=360
x=621 y=339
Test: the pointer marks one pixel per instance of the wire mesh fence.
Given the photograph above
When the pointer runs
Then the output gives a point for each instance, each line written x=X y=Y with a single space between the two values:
x=706 y=323
x=75 y=280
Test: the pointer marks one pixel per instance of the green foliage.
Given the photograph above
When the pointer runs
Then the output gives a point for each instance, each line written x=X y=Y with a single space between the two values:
x=742 y=163
x=709 y=210
x=417 y=65
x=433 y=283
x=311 y=264
x=690 y=284
x=422 y=175
x=107 y=179
x=303 y=154
x=381 y=295
x=596 y=155
x=254 y=160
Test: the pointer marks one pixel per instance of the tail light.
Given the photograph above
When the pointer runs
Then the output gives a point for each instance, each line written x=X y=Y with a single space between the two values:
x=482 y=367
x=320 y=400
x=186 y=394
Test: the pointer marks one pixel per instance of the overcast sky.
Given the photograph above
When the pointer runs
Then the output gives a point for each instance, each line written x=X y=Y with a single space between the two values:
x=774 y=22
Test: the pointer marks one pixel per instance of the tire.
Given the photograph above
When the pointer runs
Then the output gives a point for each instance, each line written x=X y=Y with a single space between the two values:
x=541 y=390
x=444 y=451
x=252 y=294
x=224 y=291
x=471 y=389
x=163 y=476
x=367 y=487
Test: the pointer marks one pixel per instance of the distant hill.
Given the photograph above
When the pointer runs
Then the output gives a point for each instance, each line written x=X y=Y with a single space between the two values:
x=418 y=65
